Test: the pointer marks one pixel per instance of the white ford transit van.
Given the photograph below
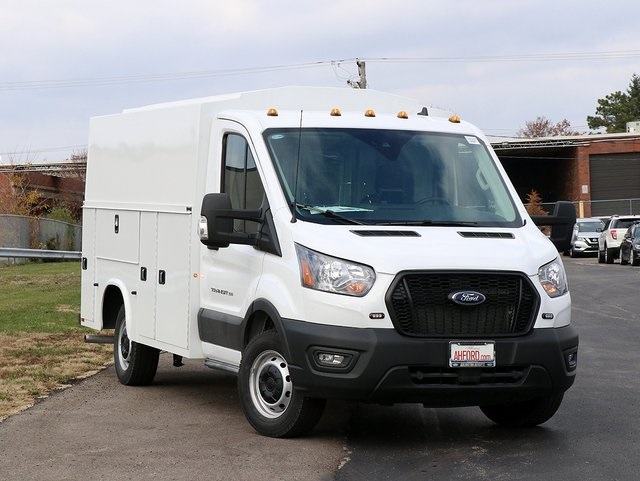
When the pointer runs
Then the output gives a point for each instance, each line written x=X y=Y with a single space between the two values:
x=324 y=244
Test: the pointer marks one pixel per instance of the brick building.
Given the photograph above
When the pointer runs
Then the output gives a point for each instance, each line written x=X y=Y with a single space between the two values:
x=600 y=172
x=54 y=186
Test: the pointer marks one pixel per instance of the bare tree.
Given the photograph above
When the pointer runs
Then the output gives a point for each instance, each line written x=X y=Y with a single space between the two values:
x=543 y=127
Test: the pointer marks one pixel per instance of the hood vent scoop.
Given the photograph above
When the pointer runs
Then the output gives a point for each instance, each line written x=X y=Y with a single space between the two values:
x=386 y=233
x=488 y=235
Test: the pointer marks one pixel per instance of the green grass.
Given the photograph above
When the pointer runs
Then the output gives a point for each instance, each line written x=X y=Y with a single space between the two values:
x=40 y=297
x=41 y=343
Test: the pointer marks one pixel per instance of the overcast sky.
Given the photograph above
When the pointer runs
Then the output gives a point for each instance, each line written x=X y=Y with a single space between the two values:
x=497 y=64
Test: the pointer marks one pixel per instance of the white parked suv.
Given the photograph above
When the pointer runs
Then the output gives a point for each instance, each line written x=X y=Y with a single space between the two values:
x=611 y=236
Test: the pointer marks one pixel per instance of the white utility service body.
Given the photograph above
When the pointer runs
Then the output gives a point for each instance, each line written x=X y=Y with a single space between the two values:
x=323 y=243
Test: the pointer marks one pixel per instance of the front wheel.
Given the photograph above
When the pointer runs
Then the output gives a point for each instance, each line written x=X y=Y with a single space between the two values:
x=526 y=413
x=136 y=364
x=267 y=395
x=623 y=261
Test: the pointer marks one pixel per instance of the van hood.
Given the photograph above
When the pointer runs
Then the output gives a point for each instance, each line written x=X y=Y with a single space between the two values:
x=391 y=249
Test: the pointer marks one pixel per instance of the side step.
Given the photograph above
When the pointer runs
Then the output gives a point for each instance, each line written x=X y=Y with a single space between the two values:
x=223 y=366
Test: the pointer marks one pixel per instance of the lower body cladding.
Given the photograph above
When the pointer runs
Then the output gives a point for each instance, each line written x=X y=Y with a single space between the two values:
x=383 y=366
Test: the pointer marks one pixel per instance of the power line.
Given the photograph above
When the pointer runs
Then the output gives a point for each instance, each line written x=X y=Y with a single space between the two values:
x=163 y=77
x=536 y=57
x=144 y=78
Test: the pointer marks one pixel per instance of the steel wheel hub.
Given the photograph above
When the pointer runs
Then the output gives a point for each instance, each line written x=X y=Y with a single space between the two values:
x=270 y=384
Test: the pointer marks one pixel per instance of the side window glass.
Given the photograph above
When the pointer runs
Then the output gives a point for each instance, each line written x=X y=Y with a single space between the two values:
x=241 y=180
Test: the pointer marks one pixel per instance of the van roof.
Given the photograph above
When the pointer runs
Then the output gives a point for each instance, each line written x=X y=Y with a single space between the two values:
x=306 y=98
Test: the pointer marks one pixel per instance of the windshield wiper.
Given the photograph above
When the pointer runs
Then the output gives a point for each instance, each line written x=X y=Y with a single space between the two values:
x=436 y=223
x=329 y=213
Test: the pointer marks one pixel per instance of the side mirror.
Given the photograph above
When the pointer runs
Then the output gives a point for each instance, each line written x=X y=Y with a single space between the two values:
x=216 y=222
x=217 y=231
x=561 y=222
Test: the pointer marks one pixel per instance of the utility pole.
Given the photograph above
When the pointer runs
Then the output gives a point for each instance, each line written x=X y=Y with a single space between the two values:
x=362 y=81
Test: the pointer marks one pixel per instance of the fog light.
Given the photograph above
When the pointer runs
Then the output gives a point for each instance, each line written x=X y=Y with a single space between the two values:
x=571 y=359
x=330 y=359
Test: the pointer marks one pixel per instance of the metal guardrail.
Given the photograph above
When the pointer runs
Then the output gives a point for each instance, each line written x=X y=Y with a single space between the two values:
x=14 y=252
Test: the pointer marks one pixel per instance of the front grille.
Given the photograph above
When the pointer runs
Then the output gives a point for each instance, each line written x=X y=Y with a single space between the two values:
x=419 y=304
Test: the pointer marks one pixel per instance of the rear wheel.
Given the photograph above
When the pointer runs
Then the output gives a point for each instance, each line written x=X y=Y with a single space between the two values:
x=600 y=256
x=633 y=258
x=525 y=413
x=267 y=395
x=609 y=255
x=136 y=364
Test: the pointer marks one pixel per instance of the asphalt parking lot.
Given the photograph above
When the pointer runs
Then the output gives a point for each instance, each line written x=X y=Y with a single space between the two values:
x=188 y=424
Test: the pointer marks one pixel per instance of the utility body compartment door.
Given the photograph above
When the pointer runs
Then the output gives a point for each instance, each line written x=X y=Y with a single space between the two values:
x=161 y=311
x=117 y=234
x=88 y=273
x=145 y=306
x=173 y=279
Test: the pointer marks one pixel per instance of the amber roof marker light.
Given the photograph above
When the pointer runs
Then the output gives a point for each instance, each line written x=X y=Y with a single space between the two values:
x=370 y=113
x=272 y=112
x=335 y=112
x=454 y=119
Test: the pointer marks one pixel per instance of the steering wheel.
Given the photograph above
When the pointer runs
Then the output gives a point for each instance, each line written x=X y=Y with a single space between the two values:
x=433 y=200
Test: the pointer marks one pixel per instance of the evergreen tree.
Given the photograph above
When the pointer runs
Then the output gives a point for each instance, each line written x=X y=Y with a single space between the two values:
x=618 y=108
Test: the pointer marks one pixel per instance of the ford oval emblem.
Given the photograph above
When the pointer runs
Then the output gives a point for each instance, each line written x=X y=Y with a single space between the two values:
x=467 y=298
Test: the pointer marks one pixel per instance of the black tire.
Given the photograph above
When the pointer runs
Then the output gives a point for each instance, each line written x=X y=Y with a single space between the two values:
x=136 y=364
x=609 y=255
x=623 y=261
x=572 y=253
x=633 y=258
x=526 y=413
x=267 y=395
x=600 y=256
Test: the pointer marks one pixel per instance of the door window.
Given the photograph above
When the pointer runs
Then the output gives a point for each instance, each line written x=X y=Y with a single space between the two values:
x=241 y=180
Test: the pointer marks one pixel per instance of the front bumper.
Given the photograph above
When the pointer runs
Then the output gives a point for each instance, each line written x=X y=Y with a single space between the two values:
x=387 y=367
x=582 y=247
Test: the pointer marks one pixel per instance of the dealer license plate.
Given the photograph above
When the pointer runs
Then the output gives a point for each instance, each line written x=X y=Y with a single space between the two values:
x=472 y=354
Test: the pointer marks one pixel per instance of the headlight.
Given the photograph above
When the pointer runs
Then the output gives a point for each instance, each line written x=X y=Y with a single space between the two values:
x=553 y=279
x=329 y=274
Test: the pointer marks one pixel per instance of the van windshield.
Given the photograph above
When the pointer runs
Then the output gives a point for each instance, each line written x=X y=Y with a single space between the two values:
x=390 y=177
